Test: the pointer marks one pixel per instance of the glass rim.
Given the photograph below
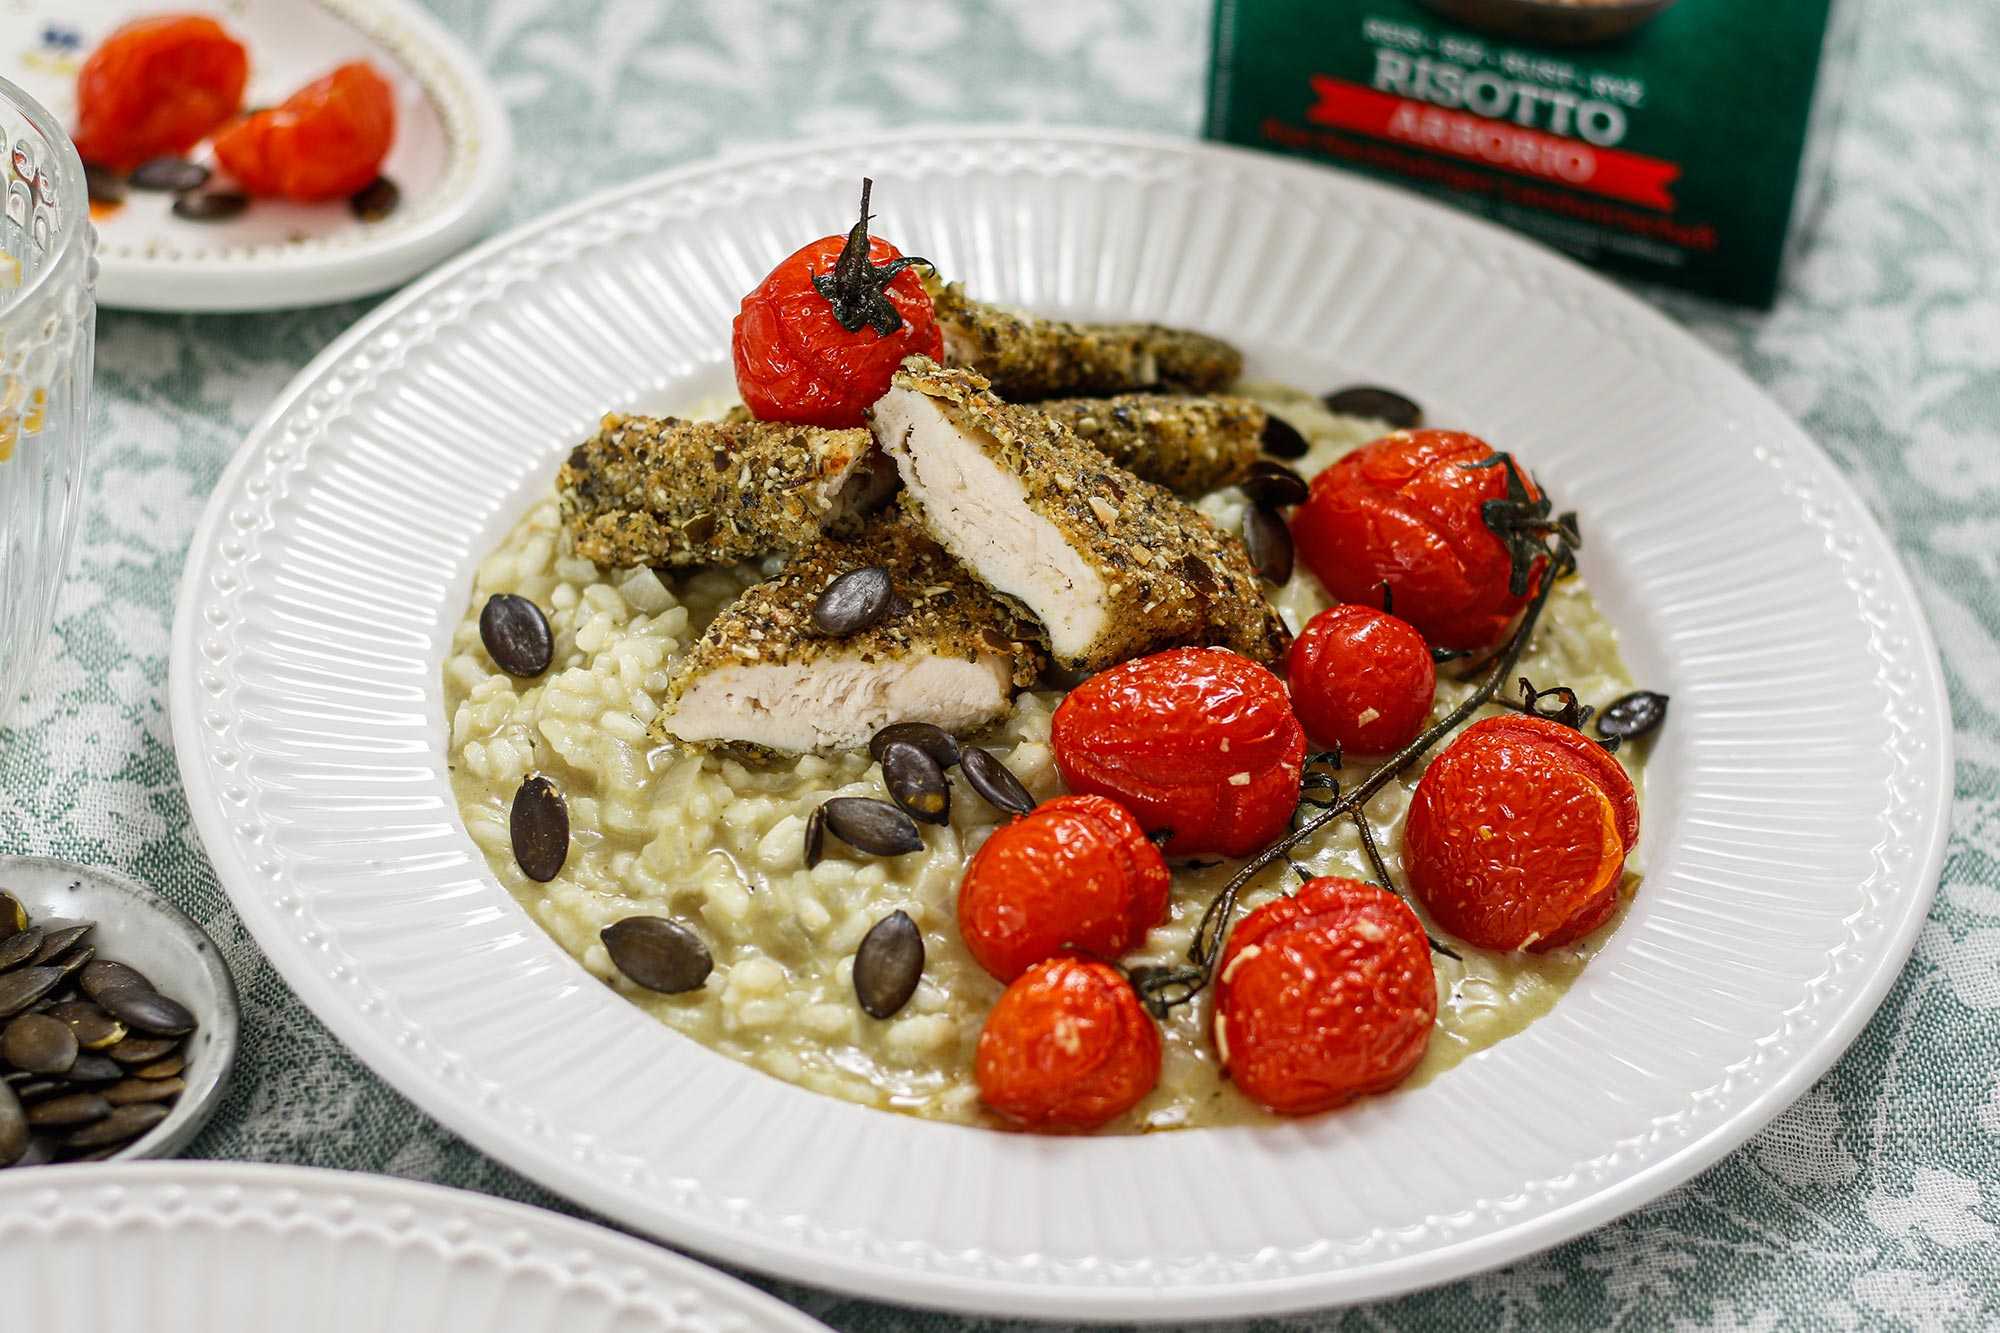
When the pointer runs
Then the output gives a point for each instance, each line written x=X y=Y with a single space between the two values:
x=72 y=196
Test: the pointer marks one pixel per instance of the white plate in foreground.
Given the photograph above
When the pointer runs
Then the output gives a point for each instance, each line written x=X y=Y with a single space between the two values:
x=1797 y=799
x=226 y=1247
x=452 y=156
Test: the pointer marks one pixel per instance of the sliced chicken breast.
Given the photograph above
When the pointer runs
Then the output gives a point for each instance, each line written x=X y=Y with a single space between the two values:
x=1188 y=444
x=764 y=674
x=1111 y=566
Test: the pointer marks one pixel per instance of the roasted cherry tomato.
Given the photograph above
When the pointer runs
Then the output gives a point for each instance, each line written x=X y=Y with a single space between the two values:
x=325 y=141
x=1406 y=510
x=819 y=339
x=1361 y=679
x=1324 y=996
x=1076 y=872
x=155 y=88
x=1517 y=835
x=1068 y=1046
x=1197 y=740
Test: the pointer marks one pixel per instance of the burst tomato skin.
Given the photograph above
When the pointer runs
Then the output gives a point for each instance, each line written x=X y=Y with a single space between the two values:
x=1198 y=740
x=1517 y=835
x=1324 y=996
x=1077 y=872
x=1361 y=679
x=155 y=88
x=325 y=141
x=1406 y=510
x=794 y=361
x=1068 y=1046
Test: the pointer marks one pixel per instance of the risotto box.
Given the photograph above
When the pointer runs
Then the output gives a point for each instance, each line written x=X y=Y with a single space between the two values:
x=1680 y=141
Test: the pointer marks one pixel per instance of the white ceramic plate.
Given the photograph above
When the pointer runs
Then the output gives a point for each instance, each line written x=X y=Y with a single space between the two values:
x=1797 y=799
x=226 y=1247
x=452 y=158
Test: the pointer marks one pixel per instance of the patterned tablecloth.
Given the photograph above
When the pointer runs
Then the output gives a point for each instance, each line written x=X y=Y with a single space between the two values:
x=1873 y=1203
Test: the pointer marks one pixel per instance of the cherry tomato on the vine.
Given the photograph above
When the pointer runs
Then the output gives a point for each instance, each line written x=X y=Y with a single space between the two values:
x=1407 y=510
x=1517 y=835
x=1078 y=871
x=819 y=339
x=1324 y=996
x=1201 y=741
x=155 y=88
x=1361 y=679
x=325 y=141
x=1068 y=1046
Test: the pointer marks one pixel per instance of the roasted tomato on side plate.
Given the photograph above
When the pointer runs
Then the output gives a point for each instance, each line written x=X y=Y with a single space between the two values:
x=155 y=88
x=325 y=141
x=1077 y=872
x=1517 y=835
x=820 y=338
x=1408 y=510
x=1324 y=996
x=1068 y=1046
x=1361 y=679
x=1200 y=741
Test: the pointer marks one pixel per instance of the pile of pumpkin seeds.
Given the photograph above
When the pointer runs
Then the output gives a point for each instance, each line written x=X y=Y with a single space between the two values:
x=91 y=1055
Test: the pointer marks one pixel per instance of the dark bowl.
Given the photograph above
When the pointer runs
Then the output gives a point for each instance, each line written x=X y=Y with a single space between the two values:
x=1584 y=24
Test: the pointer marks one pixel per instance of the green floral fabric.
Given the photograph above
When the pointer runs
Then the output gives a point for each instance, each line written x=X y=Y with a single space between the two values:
x=1873 y=1203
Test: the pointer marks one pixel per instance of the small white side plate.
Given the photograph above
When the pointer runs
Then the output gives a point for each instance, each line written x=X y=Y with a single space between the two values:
x=452 y=157
x=209 y=1247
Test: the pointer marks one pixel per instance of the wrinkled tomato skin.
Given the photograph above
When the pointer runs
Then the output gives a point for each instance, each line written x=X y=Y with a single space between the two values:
x=325 y=141
x=155 y=88
x=794 y=361
x=1201 y=741
x=1405 y=510
x=1068 y=1046
x=1516 y=838
x=1076 y=873
x=1361 y=679
x=1323 y=997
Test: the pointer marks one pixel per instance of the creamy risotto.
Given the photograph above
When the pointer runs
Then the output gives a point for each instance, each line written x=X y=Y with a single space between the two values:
x=716 y=841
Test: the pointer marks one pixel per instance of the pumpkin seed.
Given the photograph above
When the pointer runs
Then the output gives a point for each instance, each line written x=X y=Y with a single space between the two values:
x=1631 y=716
x=95 y=1030
x=934 y=741
x=13 y=916
x=995 y=781
x=23 y=986
x=73 y=962
x=539 y=825
x=815 y=836
x=13 y=1127
x=916 y=783
x=166 y=1067
x=147 y=1011
x=1269 y=543
x=516 y=635
x=35 y=1089
x=69 y=1112
x=38 y=1044
x=134 y=1091
x=103 y=975
x=871 y=826
x=656 y=953
x=103 y=186
x=1282 y=438
x=1274 y=485
x=888 y=965
x=19 y=947
x=122 y=1125
x=855 y=601
x=210 y=205
x=140 y=1050
x=168 y=175
x=1364 y=400
x=375 y=200
x=91 y=1067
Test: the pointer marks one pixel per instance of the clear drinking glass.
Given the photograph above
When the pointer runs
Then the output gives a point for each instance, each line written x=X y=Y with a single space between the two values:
x=47 y=328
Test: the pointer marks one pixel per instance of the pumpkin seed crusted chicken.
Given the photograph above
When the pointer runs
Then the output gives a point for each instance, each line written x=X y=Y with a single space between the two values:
x=1026 y=358
x=666 y=492
x=1192 y=445
x=764 y=675
x=1113 y=567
